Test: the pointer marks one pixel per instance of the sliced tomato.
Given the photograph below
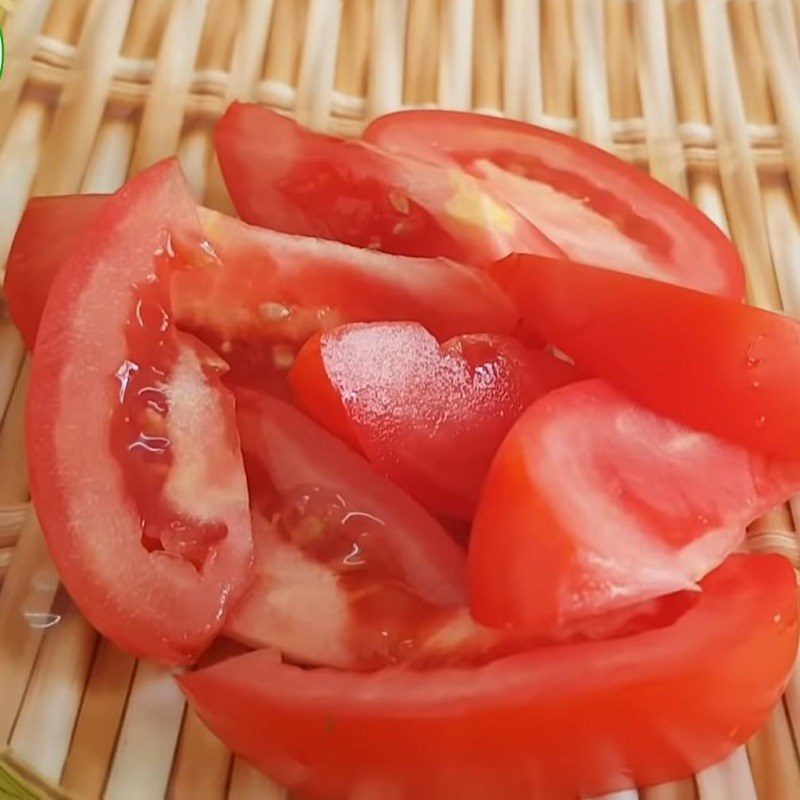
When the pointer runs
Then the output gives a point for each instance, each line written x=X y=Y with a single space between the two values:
x=267 y=292
x=711 y=363
x=654 y=707
x=256 y=295
x=47 y=234
x=283 y=176
x=593 y=502
x=430 y=417
x=350 y=571
x=150 y=533
x=595 y=207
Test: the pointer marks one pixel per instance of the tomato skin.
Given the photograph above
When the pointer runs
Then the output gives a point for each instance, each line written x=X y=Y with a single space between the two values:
x=47 y=234
x=286 y=177
x=93 y=530
x=593 y=503
x=266 y=293
x=612 y=213
x=429 y=417
x=657 y=706
x=713 y=364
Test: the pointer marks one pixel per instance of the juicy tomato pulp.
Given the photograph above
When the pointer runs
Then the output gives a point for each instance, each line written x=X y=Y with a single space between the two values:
x=384 y=580
x=430 y=417
x=140 y=522
x=507 y=729
x=257 y=295
x=596 y=208
x=711 y=363
x=143 y=429
x=593 y=503
x=289 y=178
x=349 y=570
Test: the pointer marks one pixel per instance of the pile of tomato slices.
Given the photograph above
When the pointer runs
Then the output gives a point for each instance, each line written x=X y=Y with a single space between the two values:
x=457 y=432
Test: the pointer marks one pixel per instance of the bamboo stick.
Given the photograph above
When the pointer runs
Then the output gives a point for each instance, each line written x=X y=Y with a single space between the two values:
x=55 y=689
x=737 y=171
x=422 y=53
x=558 y=59
x=163 y=112
x=19 y=35
x=729 y=780
x=28 y=591
x=148 y=735
x=387 y=57
x=522 y=60
x=455 y=54
x=98 y=721
x=318 y=63
x=594 y=114
x=83 y=99
x=487 y=56
x=201 y=763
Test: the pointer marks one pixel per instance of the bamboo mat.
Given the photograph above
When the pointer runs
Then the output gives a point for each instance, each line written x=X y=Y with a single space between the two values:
x=703 y=93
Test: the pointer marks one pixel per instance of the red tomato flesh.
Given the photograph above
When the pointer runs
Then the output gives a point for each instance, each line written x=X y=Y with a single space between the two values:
x=592 y=503
x=256 y=295
x=711 y=363
x=150 y=534
x=595 y=207
x=350 y=572
x=286 y=177
x=47 y=234
x=654 y=707
x=349 y=569
x=430 y=417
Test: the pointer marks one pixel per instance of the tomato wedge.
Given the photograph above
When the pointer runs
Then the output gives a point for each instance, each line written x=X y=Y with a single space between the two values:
x=150 y=534
x=283 y=176
x=256 y=295
x=350 y=571
x=711 y=363
x=595 y=207
x=593 y=502
x=649 y=709
x=47 y=234
x=430 y=417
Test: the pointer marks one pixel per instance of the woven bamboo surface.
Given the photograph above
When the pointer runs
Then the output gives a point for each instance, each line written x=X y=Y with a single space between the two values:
x=703 y=93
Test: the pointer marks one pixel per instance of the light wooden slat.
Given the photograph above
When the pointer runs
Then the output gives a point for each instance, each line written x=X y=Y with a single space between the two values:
x=737 y=171
x=83 y=99
x=455 y=54
x=682 y=790
x=318 y=63
x=422 y=53
x=623 y=86
x=594 y=114
x=352 y=58
x=665 y=152
x=13 y=460
x=729 y=780
x=558 y=59
x=27 y=595
x=773 y=758
x=148 y=735
x=162 y=117
x=98 y=721
x=783 y=66
x=55 y=689
x=522 y=70
x=201 y=763
x=487 y=56
x=387 y=57
x=19 y=35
